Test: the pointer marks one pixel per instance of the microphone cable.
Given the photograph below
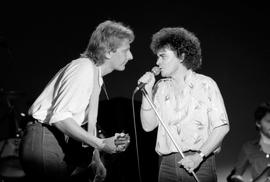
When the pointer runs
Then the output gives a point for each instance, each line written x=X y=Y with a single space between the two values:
x=136 y=140
x=156 y=71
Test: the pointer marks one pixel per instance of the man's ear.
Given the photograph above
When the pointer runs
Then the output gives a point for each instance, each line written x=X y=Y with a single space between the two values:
x=109 y=54
x=182 y=57
x=258 y=125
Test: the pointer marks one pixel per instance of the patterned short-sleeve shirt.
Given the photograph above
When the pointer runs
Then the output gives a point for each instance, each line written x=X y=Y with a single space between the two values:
x=190 y=114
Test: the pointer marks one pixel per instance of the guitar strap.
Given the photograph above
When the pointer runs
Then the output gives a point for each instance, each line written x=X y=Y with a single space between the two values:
x=91 y=115
x=96 y=162
x=98 y=84
x=93 y=103
x=105 y=90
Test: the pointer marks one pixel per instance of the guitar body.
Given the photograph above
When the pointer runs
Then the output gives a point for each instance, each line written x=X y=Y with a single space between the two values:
x=88 y=162
x=78 y=154
x=91 y=163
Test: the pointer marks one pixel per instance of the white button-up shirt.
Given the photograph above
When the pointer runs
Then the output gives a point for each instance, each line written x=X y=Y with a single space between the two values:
x=190 y=114
x=68 y=94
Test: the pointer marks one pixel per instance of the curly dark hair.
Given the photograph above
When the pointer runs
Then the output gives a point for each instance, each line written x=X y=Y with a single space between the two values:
x=108 y=36
x=261 y=111
x=180 y=41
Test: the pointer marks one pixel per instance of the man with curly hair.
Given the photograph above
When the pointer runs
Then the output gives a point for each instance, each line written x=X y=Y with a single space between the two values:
x=190 y=105
x=71 y=99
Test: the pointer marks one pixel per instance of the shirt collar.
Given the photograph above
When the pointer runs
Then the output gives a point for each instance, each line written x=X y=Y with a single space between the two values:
x=100 y=78
x=189 y=78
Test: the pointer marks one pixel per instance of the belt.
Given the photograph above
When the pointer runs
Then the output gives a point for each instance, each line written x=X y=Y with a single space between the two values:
x=187 y=153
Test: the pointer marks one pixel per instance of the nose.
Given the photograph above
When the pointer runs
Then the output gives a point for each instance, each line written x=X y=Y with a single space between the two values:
x=130 y=56
x=158 y=61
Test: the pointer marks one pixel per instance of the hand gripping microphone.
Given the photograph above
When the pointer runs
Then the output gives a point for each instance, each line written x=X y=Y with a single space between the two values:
x=155 y=70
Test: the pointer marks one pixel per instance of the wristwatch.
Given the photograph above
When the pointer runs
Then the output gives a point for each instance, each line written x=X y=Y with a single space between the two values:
x=201 y=154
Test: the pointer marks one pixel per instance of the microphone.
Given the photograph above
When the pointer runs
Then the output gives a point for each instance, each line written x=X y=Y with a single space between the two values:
x=155 y=70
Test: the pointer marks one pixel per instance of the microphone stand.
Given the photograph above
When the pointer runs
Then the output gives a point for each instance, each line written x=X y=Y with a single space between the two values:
x=166 y=129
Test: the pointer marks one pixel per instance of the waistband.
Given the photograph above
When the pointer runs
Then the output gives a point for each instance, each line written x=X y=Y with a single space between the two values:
x=187 y=153
x=48 y=130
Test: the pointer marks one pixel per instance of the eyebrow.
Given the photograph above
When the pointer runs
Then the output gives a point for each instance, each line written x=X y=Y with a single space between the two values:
x=161 y=54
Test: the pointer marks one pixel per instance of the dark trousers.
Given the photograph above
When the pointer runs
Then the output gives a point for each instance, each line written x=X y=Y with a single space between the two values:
x=169 y=170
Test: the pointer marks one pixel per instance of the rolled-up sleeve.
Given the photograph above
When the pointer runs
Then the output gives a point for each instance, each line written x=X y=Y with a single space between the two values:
x=216 y=111
x=72 y=95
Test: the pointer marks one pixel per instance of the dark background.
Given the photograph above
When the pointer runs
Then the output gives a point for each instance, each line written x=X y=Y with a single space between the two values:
x=36 y=40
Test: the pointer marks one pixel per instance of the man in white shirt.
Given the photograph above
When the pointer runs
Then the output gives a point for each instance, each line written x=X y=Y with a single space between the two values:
x=190 y=105
x=69 y=100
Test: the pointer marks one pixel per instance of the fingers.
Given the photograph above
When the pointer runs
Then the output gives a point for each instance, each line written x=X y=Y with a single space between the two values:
x=145 y=78
x=117 y=143
x=189 y=163
x=121 y=148
x=188 y=167
x=122 y=141
x=148 y=78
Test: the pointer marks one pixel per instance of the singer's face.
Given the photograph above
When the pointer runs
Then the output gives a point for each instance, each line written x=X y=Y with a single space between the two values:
x=121 y=56
x=168 y=62
x=265 y=125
